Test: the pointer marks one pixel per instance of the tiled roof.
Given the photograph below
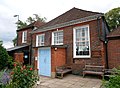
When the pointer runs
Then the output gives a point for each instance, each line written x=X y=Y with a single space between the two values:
x=70 y=15
x=115 y=33
x=34 y=24
x=38 y=23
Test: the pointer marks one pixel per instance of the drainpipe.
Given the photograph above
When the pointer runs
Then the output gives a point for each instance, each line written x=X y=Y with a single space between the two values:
x=17 y=39
x=98 y=27
x=106 y=42
x=105 y=39
x=31 y=48
x=106 y=51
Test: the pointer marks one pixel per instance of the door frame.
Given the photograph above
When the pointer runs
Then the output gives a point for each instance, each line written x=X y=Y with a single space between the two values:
x=39 y=60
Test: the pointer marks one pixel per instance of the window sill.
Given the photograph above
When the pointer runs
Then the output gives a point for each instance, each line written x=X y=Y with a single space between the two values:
x=24 y=42
x=58 y=44
x=82 y=57
x=40 y=45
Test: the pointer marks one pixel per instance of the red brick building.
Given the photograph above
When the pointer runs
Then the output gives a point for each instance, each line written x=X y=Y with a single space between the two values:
x=77 y=37
x=22 y=51
x=114 y=48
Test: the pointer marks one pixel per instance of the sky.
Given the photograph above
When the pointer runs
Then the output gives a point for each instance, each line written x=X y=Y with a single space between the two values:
x=45 y=8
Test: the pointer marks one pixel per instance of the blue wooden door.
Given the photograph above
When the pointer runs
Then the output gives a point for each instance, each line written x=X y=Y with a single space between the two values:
x=44 y=62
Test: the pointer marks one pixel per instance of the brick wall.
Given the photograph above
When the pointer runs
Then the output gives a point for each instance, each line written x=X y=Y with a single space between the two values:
x=20 y=36
x=28 y=29
x=97 y=46
x=19 y=40
x=35 y=54
x=58 y=58
x=114 y=53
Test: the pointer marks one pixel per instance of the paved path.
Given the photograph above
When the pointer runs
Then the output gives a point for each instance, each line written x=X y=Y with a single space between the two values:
x=69 y=81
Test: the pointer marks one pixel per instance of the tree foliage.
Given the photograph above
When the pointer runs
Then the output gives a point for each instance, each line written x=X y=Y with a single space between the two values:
x=113 y=18
x=14 y=41
x=5 y=59
x=21 y=24
x=36 y=18
x=1 y=42
x=30 y=20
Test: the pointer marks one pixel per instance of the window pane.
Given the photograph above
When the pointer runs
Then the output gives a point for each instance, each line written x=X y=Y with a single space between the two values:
x=83 y=32
x=24 y=37
x=58 y=37
x=55 y=34
x=82 y=41
x=41 y=40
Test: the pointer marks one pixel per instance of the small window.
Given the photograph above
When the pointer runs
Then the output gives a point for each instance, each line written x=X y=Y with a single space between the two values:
x=40 y=40
x=57 y=38
x=24 y=37
x=81 y=42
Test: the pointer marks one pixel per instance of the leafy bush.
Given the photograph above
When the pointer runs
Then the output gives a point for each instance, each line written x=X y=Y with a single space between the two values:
x=114 y=81
x=5 y=59
x=23 y=77
x=10 y=62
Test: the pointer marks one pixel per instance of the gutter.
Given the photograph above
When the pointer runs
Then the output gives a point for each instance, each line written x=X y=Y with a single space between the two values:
x=30 y=49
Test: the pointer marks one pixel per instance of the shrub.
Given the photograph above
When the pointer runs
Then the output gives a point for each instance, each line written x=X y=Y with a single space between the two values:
x=10 y=62
x=23 y=77
x=5 y=59
x=114 y=81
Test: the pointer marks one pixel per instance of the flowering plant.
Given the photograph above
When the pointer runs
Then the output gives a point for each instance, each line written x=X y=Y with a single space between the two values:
x=23 y=77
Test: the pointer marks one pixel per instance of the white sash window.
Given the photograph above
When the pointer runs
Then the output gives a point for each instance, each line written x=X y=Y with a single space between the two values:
x=57 y=38
x=24 y=37
x=81 y=42
x=40 y=40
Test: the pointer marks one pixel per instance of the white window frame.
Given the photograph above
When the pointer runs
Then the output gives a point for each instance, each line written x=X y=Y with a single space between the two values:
x=53 y=37
x=24 y=36
x=74 y=42
x=40 y=40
